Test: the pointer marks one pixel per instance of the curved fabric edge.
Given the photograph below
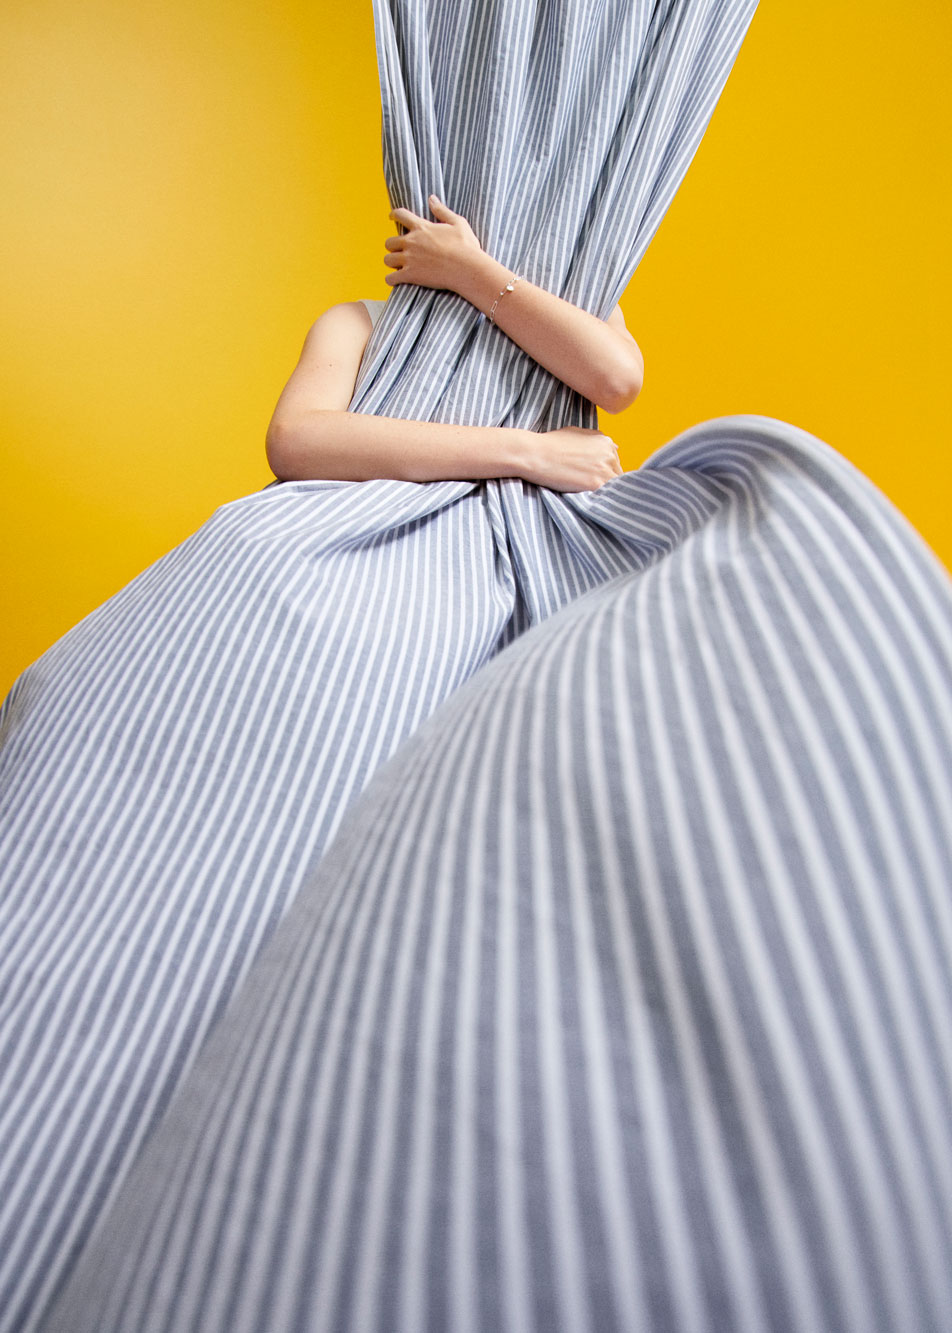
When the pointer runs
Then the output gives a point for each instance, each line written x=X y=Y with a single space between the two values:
x=622 y=998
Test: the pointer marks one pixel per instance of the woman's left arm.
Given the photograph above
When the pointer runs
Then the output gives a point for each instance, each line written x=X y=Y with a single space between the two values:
x=598 y=358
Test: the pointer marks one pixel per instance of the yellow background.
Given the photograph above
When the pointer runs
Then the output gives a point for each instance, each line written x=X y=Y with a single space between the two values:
x=187 y=186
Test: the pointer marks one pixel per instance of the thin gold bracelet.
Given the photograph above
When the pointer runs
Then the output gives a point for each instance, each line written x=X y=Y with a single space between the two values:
x=508 y=288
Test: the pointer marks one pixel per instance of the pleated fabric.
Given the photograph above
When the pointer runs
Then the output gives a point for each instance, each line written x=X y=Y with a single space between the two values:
x=561 y=131
x=174 y=770
x=174 y=767
x=622 y=999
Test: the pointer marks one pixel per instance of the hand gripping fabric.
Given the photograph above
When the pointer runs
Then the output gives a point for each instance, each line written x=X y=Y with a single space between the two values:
x=174 y=769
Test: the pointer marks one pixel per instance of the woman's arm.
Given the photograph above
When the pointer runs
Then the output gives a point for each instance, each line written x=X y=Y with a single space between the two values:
x=598 y=358
x=311 y=434
x=338 y=445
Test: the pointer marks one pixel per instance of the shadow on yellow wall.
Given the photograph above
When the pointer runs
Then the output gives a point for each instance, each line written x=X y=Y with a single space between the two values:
x=189 y=186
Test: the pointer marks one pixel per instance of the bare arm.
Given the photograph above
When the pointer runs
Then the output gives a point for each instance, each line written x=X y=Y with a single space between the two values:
x=598 y=358
x=311 y=434
x=359 y=446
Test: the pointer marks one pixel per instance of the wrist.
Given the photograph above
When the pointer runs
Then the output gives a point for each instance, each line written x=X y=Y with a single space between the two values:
x=523 y=452
x=482 y=280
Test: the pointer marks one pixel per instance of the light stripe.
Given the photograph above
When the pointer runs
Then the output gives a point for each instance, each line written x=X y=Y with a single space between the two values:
x=630 y=718
x=469 y=905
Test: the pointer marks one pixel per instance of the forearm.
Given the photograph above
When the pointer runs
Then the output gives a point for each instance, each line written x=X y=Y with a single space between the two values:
x=358 y=446
x=577 y=347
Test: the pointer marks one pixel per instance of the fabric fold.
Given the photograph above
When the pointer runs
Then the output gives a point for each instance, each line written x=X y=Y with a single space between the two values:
x=176 y=768
x=561 y=132
x=621 y=999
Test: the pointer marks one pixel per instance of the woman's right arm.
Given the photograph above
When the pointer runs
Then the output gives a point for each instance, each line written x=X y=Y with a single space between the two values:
x=312 y=435
x=359 y=446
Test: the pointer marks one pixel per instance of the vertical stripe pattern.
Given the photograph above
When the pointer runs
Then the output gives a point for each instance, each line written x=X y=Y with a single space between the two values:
x=622 y=999
x=561 y=132
x=175 y=768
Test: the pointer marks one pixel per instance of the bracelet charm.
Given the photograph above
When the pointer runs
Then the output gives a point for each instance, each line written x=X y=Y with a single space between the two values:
x=508 y=288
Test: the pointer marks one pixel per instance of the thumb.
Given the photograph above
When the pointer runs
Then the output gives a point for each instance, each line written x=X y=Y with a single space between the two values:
x=439 y=208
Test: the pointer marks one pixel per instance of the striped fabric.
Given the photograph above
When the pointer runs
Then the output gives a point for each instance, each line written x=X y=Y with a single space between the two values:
x=174 y=770
x=622 y=999
x=561 y=131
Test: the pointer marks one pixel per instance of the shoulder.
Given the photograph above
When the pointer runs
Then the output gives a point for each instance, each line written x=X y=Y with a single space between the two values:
x=346 y=326
x=345 y=316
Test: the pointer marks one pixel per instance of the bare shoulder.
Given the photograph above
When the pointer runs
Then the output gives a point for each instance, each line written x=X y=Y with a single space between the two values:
x=350 y=318
x=339 y=335
x=327 y=368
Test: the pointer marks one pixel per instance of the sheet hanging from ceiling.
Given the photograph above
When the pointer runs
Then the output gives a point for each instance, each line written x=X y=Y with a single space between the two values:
x=174 y=769
x=561 y=132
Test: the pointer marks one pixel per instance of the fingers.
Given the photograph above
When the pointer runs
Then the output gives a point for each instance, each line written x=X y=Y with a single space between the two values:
x=404 y=216
x=397 y=256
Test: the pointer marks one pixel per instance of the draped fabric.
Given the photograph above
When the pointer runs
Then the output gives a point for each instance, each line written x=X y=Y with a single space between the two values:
x=561 y=131
x=175 y=770
x=622 y=999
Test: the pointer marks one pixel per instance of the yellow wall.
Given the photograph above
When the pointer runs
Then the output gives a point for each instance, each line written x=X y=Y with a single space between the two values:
x=186 y=186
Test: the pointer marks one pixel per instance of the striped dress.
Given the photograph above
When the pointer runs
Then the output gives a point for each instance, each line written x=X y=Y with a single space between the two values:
x=463 y=905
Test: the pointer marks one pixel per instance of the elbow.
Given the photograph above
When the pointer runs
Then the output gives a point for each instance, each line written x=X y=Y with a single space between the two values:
x=274 y=452
x=293 y=446
x=279 y=450
x=622 y=391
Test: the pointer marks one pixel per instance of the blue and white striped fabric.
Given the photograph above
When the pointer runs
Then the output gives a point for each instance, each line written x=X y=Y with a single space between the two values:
x=174 y=770
x=561 y=131
x=622 y=999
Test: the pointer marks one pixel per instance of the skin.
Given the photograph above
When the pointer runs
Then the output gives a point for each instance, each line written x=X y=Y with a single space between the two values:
x=311 y=433
x=597 y=357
